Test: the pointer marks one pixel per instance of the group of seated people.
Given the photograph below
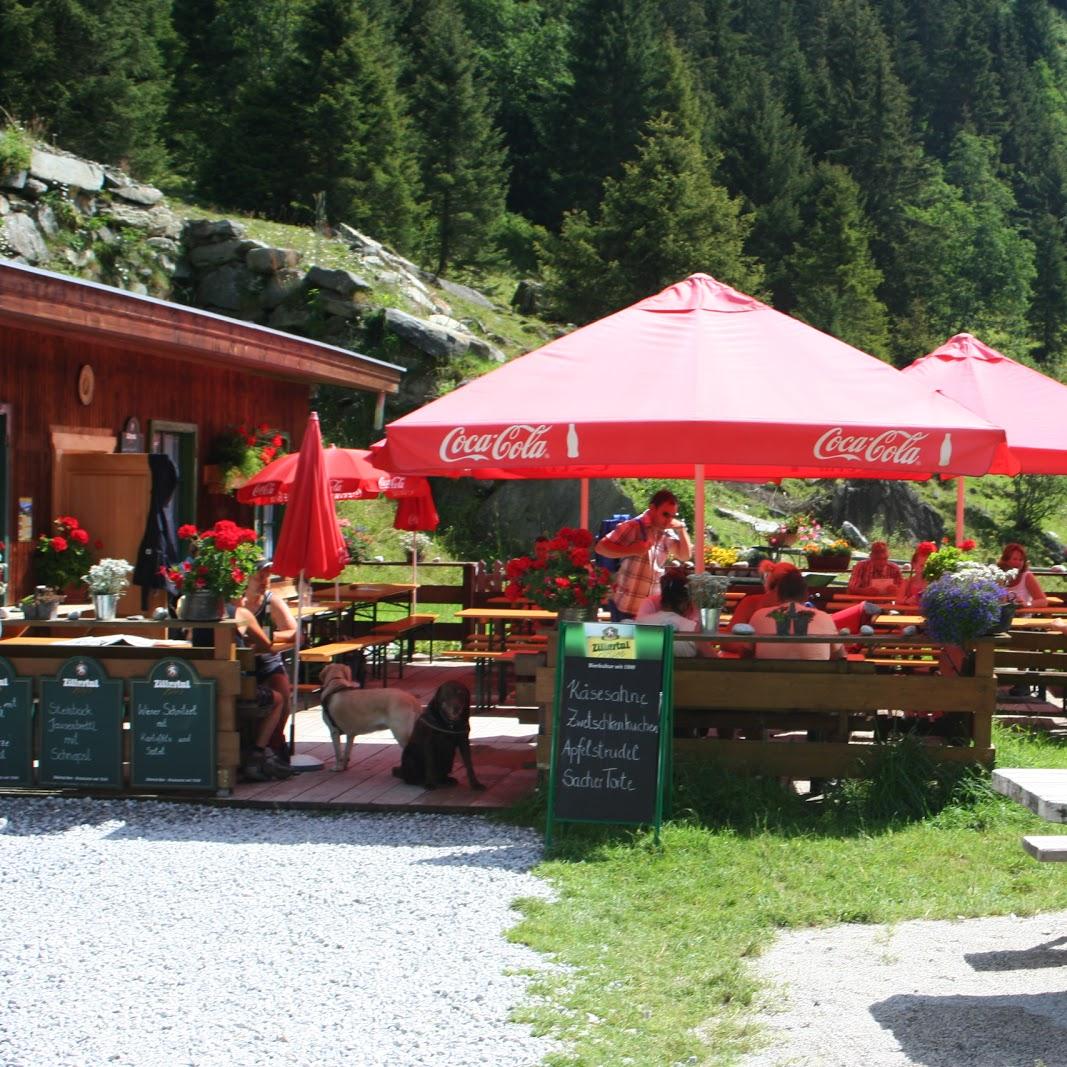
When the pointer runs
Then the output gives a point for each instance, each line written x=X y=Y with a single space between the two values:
x=880 y=576
x=782 y=605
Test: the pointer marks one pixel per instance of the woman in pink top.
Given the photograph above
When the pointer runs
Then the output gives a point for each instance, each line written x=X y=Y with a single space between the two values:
x=912 y=589
x=1025 y=588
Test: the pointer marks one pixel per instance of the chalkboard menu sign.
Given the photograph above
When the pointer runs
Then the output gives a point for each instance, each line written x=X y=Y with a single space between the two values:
x=611 y=735
x=172 y=717
x=81 y=727
x=16 y=727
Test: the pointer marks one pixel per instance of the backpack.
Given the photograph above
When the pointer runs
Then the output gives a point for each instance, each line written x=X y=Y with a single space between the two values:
x=606 y=526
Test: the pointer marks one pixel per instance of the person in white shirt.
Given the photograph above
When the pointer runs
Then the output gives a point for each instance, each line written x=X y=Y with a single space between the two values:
x=674 y=611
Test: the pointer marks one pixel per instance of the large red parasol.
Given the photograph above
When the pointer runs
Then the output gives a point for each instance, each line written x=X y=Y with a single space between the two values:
x=698 y=381
x=697 y=376
x=1028 y=404
x=310 y=542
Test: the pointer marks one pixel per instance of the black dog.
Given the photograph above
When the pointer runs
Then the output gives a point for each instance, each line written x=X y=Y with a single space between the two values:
x=440 y=731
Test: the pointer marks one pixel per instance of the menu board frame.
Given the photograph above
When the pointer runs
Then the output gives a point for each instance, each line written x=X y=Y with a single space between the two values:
x=86 y=675
x=612 y=732
x=16 y=727
x=149 y=739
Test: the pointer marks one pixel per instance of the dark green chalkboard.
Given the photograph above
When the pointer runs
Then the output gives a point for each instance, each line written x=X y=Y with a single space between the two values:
x=611 y=734
x=172 y=716
x=81 y=727
x=16 y=727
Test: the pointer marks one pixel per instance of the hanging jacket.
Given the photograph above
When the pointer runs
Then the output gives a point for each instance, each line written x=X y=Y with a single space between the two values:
x=159 y=546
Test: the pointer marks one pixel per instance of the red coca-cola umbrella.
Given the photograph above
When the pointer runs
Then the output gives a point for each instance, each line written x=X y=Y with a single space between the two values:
x=310 y=544
x=699 y=381
x=1028 y=404
x=350 y=474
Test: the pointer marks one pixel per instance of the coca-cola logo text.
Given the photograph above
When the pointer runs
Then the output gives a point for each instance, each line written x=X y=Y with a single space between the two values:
x=889 y=446
x=513 y=442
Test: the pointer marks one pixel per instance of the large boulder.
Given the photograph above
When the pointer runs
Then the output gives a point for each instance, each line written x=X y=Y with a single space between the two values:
x=436 y=341
x=65 y=170
x=868 y=502
x=19 y=236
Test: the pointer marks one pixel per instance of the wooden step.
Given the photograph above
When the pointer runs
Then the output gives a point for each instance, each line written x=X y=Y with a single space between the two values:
x=1047 y=849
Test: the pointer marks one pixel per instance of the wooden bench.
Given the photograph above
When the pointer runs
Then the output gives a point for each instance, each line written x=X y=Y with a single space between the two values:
x=1047 y=849
x=833 y=699
x=406 y=629
x=1032 y=658
x=376 y=644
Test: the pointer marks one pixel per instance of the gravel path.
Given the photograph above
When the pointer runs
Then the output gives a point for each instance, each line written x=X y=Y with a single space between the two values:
x=971 y=993
x=151 y=935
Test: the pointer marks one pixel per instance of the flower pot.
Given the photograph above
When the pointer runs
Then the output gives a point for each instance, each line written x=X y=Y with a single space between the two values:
x=1007 y=615
x=201 y=606
x=709 y=619
x=837 y=562
x=41 y=609
x=105 y=605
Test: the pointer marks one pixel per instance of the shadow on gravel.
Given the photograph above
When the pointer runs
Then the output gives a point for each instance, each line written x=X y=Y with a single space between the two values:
x=1004 y=1031
x=1050 y=954
x=153 y=821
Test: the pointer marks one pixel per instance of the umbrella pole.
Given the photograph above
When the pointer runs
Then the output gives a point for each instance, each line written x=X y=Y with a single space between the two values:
x=414 y=570
x=959 y=508
x=698 y=517
x=298 y=763
x=583 y=505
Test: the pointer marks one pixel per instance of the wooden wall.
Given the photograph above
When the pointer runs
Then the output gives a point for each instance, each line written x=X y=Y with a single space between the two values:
x=39 y=380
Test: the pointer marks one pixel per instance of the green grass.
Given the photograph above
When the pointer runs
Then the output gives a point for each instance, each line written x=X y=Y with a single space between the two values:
x=658 y=942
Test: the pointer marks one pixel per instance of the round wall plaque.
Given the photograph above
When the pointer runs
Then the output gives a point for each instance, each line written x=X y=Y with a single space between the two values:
x=86 y=384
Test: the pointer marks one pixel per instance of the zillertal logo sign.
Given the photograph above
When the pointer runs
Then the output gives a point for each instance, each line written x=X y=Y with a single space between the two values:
x=610 y=640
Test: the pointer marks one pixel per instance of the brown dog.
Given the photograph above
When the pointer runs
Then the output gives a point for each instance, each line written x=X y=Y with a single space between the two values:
x=348 y=710
x=441 y=731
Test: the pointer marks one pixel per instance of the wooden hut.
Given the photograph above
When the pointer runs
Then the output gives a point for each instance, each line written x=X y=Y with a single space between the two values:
x=93 y=378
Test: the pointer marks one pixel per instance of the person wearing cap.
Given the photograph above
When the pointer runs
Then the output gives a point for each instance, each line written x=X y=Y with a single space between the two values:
x=273 y=616
x=643 y=545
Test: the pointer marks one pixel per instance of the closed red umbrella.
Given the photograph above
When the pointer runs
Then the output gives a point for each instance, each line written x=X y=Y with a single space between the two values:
x=416 y=513
x=310 y=542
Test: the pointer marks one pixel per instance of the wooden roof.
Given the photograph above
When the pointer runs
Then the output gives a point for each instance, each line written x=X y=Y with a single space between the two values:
x=39 y=300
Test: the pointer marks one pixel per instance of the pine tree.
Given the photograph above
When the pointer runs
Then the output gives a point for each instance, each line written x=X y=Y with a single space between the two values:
x=617 y=84
x=355 y=144
x=765 y=160
x=832 y=271
x=662 y=220
x=461 y=156
x=93 y=75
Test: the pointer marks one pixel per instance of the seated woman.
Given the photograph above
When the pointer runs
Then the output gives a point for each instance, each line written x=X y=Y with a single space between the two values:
x=654 y=602
x=772 y=574
x=260 y=764
x=274 y=617
x=675 y=608
x=912 y=589
x=877 y=576
x=798 y=620
x=1025 y=588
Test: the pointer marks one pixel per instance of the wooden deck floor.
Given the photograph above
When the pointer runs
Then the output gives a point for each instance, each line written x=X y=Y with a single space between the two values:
x=503 y=751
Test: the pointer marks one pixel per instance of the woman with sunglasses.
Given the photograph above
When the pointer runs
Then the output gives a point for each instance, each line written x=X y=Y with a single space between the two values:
x=643 y=546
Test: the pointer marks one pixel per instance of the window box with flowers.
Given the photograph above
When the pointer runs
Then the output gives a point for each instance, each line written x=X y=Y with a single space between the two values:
x=795 y=528
x=828 y=555
x=239 y=452
x=62 y=557
x=560 y=576
x=216 y=569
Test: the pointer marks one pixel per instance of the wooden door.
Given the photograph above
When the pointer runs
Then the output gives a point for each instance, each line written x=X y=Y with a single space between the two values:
x=109 y=494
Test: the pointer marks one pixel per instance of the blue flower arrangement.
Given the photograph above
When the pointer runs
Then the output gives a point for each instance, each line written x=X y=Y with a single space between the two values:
x=961 y=606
